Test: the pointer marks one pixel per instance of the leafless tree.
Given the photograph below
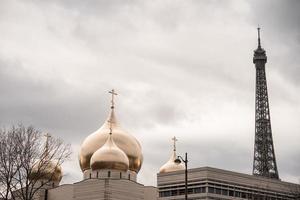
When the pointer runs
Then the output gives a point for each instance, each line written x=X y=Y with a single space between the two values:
x=29 y=162
x=8 y=162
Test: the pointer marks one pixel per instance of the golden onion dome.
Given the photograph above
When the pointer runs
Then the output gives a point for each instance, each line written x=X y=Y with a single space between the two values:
x=126 y=142
x=171 y=165
x=46 y=170
x=109 y=156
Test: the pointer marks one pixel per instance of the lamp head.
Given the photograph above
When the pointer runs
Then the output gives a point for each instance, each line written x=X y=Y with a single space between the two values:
x=177 y=160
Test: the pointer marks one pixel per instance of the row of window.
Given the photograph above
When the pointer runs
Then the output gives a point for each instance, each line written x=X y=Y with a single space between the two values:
x=182 y=192
x=244 y=195
x=108 y=175
x=219 y=191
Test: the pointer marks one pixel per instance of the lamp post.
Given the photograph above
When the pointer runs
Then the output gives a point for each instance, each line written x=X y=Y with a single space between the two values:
x=178 y=160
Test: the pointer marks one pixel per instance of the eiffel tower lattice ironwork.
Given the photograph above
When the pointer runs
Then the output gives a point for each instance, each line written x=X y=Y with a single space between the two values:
x=264 y=163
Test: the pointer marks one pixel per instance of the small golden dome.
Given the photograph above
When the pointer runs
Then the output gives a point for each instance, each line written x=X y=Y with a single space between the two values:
x=171 y=165
x=126 y=142
x=109 y=156
x=48 y=170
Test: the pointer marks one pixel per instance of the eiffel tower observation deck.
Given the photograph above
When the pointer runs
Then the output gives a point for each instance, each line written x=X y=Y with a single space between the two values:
x=264 y=163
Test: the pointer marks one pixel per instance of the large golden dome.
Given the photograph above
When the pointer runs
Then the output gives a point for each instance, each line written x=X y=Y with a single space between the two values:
x=109 y=156
x=171 y=165
x=122 y=139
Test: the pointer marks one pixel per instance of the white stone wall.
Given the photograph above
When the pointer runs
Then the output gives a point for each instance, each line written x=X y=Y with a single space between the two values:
x=150 y=193
x=64 y=192
x=103 y=189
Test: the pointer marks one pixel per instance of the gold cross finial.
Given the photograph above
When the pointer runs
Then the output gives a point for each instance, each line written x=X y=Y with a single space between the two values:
x=47 y=135
x=174 y=143
x=113 y=94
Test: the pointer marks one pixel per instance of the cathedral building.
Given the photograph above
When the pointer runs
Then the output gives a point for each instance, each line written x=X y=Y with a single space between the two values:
x=110 y=160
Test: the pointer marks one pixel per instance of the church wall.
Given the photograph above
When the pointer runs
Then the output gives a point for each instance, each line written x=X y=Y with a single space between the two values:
x=113 y=189
x=150 y=193
x=102 y=189
x=63 y=192
x=90 y=189
x=126 y=190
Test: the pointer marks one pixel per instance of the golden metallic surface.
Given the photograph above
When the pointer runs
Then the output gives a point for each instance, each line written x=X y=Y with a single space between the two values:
x=49 y=170
x=122 y=139
x=109 y=156
x=171 y=166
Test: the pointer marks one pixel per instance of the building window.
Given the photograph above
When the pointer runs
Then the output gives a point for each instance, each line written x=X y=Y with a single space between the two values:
x=237 y=194
x=165 y=194
x=120 y=175
x=244 y=195
x=97 y=174
x=108 y=174
x=199 y=190
x=250 y=196
x=224 y=192
x=128 y=176
x=174 y=193
x=211 y=190
x=181 y=192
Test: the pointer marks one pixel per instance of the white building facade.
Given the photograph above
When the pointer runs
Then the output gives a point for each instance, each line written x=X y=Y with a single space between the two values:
x=212 y=183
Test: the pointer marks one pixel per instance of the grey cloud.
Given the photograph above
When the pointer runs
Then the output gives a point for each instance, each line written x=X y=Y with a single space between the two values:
x=181 y=68
x=52 y=104
x=280 y=25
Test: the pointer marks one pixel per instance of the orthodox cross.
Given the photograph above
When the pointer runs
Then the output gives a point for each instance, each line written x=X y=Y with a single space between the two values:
x=113 y=94
x=174 y=143
x=47 y=135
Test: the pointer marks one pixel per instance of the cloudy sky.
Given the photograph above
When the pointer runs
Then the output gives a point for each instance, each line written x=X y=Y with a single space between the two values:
x=181 y=68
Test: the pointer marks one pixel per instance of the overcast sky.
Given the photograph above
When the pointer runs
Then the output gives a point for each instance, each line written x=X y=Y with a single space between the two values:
x=181 y=68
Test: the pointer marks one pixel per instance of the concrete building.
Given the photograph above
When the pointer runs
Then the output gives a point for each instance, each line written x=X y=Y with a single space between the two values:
x=212 y=183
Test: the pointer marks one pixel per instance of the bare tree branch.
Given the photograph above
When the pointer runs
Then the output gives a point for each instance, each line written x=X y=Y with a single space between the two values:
x=28 y=163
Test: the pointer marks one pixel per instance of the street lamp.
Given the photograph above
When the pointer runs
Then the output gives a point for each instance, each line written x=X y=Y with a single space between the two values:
x=178 y=160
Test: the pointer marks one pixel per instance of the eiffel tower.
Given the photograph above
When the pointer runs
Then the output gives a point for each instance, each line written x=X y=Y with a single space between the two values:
x=264 y=163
